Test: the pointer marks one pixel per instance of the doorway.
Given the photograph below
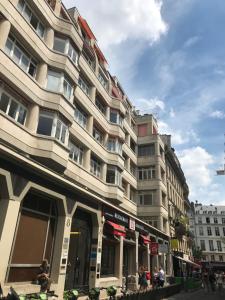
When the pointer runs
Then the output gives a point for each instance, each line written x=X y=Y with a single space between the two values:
x=79 y=251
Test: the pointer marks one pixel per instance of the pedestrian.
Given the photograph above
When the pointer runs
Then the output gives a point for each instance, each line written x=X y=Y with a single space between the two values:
x=161 y=276
x=220 y=281
x=155 y=279
x=142 y=281
x=212 y=280
x=205 y=280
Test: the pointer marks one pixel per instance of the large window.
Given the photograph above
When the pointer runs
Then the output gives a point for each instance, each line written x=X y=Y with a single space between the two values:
x=80 y=116
x=101 y=106
x=146 y=173
x=217 y=231
x=108 y=258
x=202 y=245
x=211 y=247
x=201 y=231
x=113 y=175
x=219 y=246
x=31 y=18
x=12 y=107
x=95 y=167
x=59 y=83
x=63 y=45
x=84 y=85
x=115 y=117
x=114 y=145
x=209 y=230
x=50 y=124
x=207 y=220
x=103 y=79
x=20 y=57
x=98 y=135
x=147 y=197
x=146 y=150
x=76 y=152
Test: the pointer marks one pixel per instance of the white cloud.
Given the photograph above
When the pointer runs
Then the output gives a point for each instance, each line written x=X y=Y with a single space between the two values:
x=150 y=105
x=191 y=41
x=172 y=113
x=218 y=114
x=116 y=21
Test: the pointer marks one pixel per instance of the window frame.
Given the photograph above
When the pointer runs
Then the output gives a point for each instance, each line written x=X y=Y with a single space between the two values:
x=147 y=173
x=95 y=167
x=84 y=85
x=117 y=175
x=68 y=45
x=80 y=152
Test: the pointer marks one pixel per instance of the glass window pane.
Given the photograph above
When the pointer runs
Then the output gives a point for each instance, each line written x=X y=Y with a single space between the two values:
x=4 y=101
x=32 y=69
x=27 y=13
x=40 y=30
x=59 y=45
x=53 y=83
x=20 y=5
x=21 y=115
x=63 y=134
x=13 y=109
x=8 y=46
x=24 y=63
x=58 y=129
x=45 y=125
x=17 y=55
x=113 y=116
x=34 y=21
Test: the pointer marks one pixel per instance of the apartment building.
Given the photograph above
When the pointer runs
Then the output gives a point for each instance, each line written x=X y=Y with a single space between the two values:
x=208 y=225
x=68 y=149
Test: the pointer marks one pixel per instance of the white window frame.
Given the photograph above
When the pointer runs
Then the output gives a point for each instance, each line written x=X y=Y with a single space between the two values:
x=20 y=106
x=100 y=106
x=118 y=175
x=57 y=121
x=114 y=145
x=80 y=117
x=17 y=46
x=84 y=85
x=119 y=119
x=62 y=79
x=95 y=167
x=141 y=197
x=148 y=173
x=40 y=24
x=66 y=49
x=103 y=79
x=98 y=135
x=74 y=148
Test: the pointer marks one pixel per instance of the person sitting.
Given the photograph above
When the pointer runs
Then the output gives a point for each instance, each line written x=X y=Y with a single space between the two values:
x=43 y=276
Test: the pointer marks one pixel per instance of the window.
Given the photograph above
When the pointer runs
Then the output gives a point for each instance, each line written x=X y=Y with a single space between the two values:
x=12 y=107
x=223 y=231
x=209 y=230
x=146 y=150
x=84 y=85
x=223 y=220
x=211 y=247
x=59 y=83
x=215 y=220
x=103 y=79
x=76 y=153
x=147 y=197
x=217 y=231
x=31 y=18
x=212 y=258
x=115 y=117
x=201 y=231
x=108 y=259
x=64 y=46
x=95 y=167
x=199 y=220
x=153 y=221
x=20 y=57
x=220 y=257
x=207 y=220
x=114 y=145
x=142 y=129
x=113 y=175
x=133 y=169
x=98 y=135
x=202 y=245
x=50 y=124
x=219 y=246
x=132 y=145
x=101 y=106
x=80 y=116
x=146 y=173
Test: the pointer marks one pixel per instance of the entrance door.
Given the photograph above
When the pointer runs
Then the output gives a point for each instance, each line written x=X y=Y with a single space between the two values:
x=79 y=251
x=125 y=260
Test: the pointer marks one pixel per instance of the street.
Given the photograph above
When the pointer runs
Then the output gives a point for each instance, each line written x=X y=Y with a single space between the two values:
x=198 y=295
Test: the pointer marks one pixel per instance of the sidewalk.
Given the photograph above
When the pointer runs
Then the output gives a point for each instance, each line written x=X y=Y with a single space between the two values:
x=198 y=295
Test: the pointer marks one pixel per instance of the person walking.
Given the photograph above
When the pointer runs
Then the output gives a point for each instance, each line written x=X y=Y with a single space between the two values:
x=205 y=280
x=220 y=282
x=155 y=279
x=212 y=281
x=161 y=276
x=142 y=279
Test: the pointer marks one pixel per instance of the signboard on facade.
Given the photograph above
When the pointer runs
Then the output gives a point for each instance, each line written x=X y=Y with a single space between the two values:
x=174 y=244
x=154 y=248
x=163 y=248
x=131 y=224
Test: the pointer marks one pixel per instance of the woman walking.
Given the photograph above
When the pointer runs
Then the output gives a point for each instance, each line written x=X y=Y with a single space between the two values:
x=142 y=279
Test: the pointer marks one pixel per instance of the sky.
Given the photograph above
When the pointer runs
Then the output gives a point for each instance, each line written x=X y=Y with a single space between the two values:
x=169 y=56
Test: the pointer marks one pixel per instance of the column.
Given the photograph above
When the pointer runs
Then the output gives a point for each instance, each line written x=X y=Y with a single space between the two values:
x=87 y=159
x=106 y=137
x=42 y=74
x=90 y=124
x=8 y=231
x=128 y=191
x=104 y=171
x=49 y=37
x=136 y=256
x=33 y=117
x=93 y=93
x=4 y=32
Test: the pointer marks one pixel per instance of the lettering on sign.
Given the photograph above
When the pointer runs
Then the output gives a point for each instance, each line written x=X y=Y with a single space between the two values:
x=132 y=224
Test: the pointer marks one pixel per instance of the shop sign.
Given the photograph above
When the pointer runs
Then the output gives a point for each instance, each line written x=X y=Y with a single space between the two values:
x=109 y=214
x=174 y=244
x=163 y=248
x=140 y=228
x=131 y=224
x=154 y=248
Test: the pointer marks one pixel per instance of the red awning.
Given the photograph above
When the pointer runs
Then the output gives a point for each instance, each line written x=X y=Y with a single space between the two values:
x=145 y=239
x=100 y=54
x=116 y=229
x=86 y=28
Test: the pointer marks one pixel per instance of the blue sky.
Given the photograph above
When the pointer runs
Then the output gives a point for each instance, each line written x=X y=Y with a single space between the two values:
x=170 y=58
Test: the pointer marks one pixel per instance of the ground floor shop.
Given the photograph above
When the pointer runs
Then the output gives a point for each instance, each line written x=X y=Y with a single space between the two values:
x=86 y=241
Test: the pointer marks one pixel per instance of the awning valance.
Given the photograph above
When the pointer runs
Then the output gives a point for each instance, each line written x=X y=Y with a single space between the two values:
x=116 y=229
x=188 y=261
x=145 y=239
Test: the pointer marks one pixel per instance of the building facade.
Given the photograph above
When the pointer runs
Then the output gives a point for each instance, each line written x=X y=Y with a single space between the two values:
x=208 y=225
x=70 y=152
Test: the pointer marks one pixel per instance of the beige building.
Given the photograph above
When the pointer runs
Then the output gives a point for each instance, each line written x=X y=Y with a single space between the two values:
x=69 y=158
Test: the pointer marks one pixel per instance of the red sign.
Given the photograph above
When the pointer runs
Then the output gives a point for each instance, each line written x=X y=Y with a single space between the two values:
x=154 y=248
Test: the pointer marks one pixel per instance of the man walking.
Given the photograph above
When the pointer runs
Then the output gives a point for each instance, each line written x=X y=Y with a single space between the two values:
x=161 y=276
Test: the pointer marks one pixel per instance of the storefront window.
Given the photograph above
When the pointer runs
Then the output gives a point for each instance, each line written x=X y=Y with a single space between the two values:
x=108 y=259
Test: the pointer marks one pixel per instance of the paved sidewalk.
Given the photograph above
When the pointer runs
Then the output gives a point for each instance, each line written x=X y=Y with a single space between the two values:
x=198 y=295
